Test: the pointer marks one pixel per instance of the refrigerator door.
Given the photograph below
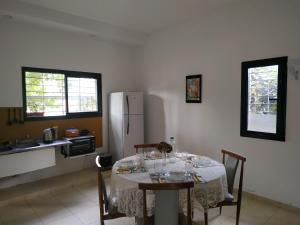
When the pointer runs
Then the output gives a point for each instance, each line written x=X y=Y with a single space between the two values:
x=116 y=135
x=133 y=130
x=133 y=103
x=116 y=103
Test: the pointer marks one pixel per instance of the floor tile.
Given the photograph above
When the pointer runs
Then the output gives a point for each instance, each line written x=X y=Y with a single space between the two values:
x=70 y=220
x=34 y=220
x=89 y=190
x=118 y=221
x=232 y=221
x=72 y=199
x=76 y=203
x=258 y=212
x=16 y=211
x=48 y=209
x=283 y=217
x=88 y=214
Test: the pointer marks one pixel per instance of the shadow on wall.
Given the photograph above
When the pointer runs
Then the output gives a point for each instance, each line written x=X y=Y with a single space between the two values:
x=154 y=119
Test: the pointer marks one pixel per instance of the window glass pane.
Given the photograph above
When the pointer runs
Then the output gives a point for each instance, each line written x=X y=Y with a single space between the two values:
x=82 y=95
x=262 y=98
x=45 y=94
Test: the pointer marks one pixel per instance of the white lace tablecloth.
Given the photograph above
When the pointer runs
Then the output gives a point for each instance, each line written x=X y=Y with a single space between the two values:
x=125 y=196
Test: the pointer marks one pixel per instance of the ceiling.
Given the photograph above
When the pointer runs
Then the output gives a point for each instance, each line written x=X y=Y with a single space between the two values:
x=123 y=21
x=145 y=16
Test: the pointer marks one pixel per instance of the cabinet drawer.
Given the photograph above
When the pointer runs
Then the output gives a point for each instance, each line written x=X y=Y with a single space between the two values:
x=24 y=162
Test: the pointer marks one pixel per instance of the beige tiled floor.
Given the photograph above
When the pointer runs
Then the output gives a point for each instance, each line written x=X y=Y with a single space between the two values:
x=77 y=204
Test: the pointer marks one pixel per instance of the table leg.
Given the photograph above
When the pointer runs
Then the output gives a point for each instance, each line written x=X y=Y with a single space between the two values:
x=139 y=221
x=166 y=207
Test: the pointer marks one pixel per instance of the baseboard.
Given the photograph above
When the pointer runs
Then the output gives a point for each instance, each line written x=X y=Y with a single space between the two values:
x=273 y=202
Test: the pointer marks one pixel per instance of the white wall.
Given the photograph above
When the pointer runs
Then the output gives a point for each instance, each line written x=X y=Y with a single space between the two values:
x=28 y=45
x=215 y=45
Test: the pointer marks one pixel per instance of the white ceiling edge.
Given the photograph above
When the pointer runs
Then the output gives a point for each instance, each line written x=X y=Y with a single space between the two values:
x=51 y=18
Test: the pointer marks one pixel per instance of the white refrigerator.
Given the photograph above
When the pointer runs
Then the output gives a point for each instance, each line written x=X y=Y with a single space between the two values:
x=126 y=123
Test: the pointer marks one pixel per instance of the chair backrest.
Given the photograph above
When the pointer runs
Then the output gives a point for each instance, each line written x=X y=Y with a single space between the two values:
x=103 y=198
x=231 y=163
x=167 y=186
x=162 y=147
x=231 y=166
x=145 y=146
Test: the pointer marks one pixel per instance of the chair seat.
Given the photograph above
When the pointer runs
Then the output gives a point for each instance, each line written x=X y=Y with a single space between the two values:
x=109 y=206
x=112 y=209
x=228 y=197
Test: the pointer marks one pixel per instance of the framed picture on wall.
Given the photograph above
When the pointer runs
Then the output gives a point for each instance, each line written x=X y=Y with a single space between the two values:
x=193 y=88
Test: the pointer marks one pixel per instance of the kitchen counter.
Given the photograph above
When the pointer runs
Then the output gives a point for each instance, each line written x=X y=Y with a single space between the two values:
x=41 y=145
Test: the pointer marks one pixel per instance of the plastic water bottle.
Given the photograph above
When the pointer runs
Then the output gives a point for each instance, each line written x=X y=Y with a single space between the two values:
x=172 y=143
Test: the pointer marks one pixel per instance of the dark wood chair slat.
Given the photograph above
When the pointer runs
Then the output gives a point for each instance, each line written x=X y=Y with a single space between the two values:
x=237 y=203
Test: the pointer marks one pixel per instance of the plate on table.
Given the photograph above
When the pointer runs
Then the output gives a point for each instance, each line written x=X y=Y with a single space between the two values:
x=202 y=161
x=126 y=166
x=175 y=176
x=133 y=170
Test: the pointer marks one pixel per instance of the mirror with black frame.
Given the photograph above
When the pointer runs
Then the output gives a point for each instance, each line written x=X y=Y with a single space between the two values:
x=263 y=98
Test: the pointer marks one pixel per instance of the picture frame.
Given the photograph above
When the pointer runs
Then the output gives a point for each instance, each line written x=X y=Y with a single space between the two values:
x=193 y=86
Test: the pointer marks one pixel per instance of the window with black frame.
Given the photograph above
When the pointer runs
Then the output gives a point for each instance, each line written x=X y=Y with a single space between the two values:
x=263 y=98
x=49 y=93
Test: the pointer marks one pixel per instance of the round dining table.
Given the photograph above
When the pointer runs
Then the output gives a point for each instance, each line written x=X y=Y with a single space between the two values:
x=209 y=189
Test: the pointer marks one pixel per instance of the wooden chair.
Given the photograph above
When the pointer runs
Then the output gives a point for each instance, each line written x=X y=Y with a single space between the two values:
x=231 y=165
x=167 y=186
x=107 y=212
x=145 y=146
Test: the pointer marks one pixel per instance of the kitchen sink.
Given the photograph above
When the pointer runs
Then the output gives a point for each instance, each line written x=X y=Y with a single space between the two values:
x=26 y=145
x=5 y=148
x=22 y=144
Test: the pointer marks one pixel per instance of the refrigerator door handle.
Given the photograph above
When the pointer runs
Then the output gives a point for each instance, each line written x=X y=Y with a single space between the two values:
x=127 y=101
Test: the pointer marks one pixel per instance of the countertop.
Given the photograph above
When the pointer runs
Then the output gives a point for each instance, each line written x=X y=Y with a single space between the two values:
x=34 y=148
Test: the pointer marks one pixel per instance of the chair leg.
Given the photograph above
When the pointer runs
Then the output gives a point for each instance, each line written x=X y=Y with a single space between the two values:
x=238 y=210
x=102 y=221
x=205 y=218
x=220 y=209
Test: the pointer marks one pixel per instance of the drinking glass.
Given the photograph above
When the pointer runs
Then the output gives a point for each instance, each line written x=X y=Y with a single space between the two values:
x=172 y=157
x=164 y=159
x=188 y=167
x=157 y=166
x=184 y=155
x=139 y=155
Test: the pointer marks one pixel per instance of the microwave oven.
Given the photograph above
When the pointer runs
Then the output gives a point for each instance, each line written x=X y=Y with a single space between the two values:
x=81 y=145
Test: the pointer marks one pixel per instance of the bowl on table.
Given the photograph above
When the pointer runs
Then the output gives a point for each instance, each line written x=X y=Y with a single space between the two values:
x=201 y=161
x=153 y=155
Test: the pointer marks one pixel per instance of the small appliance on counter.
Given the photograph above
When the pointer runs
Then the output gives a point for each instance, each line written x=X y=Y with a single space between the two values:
x=84 y=132
x=55 y=131
x=48 y=135
x=72 y=132
x=81 y=145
